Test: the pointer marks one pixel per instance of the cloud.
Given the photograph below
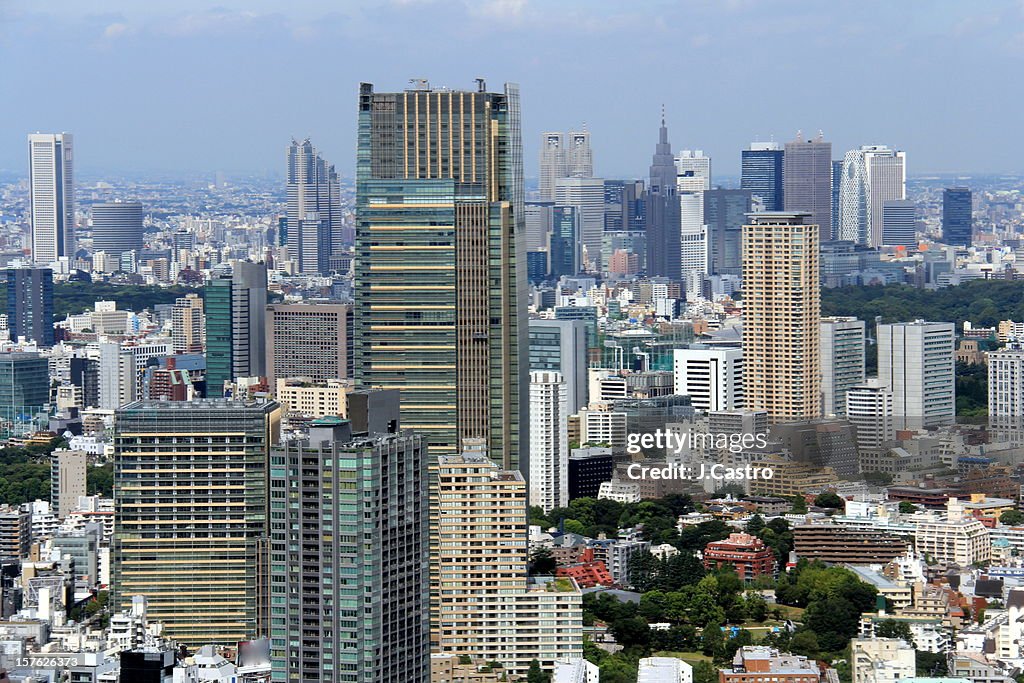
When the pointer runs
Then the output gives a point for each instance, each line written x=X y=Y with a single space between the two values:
x=116 y=30
x=501 y=9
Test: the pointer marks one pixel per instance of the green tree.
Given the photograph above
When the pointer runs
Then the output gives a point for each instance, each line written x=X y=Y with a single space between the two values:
x=1012 y=518
x=799 y=505
x=907 y=508
x=537 y=675
x=704 y=672
x=805 y=643
x=755 y=525
x=834 y=620
x=891 y=628
x=631 y=632
x=100 y=480
x=829 y=499
x=542 y=562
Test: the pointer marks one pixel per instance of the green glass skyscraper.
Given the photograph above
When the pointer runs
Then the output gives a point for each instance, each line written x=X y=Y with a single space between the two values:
x=440 y=269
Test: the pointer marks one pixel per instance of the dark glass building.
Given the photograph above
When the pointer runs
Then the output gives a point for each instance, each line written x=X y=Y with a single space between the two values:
x=662 y=212
x=30 y=304
x=565 y=245
x=761 y=173
x=588 y=469
x=236 y=332
x=24 y=390
x=117 y=227
x=725 y=212
x=957 y=216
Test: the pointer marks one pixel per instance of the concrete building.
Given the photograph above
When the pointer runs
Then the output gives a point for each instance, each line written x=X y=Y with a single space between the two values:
x=236 y=328
x=953 y=538
x=869 y=408
x=882 y=660
x=1006 y=393
x=563 y=155
x=872 y=175
x=712 y=377
x=587 y=195
x=916 y=362
x=308 y=398
x=549 y=441
x=309 y=340
x=561 y=346
x=781 y=344
x=479 y=583
x=762 y=664
x=575 y=671
x=842 y=361
x=840 y=545
x=357 y=532
x=51 y=196
x=15 y=532
x=67 y=480
x=664 y=670
x=188 y=324
x=747 y=554
x=190 y=535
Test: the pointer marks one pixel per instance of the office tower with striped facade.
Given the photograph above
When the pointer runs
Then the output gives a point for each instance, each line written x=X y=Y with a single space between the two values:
x=781 y=316
x=117 y=227
x=440 y=270
x=51 y=195
x=761 y=173
x=807 y=180
x=190 y=511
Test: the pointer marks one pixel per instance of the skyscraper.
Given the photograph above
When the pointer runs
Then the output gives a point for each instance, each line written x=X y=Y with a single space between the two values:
x=188 y=324
x=761 y=173
x=30 y=304
x=349 y=577
x=51 y=195
x=561 y=346
x=807 y=180
x=565 y=251
x=842 y=361
x=957 y=216
x=587 y=195
x=309 y=340
x=1006 y=392
x=235 y=325
x=314 y=209
x=24 y=391
x=116 y=227
x=781 y=313
x=725 y=212
x=899 y=223
x=440 y=269
x=916 y=362
x=563 y=155
x=661 y=205
x=549 y=440
x=190 y=534
x=872 y=175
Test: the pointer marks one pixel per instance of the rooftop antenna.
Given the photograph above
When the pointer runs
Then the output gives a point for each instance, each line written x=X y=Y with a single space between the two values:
x=481 y=85
x=420 y=83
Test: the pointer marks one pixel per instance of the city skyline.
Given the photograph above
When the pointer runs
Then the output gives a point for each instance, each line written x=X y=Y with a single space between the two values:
x=209 y=124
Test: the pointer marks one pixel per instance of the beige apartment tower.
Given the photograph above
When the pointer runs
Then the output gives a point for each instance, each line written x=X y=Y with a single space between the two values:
x=781 y=316
x=483 y=603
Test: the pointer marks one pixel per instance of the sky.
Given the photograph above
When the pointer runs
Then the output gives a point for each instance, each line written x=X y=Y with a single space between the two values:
x=196 y=87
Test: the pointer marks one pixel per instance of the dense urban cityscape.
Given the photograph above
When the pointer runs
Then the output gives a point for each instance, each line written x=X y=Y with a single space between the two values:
x=477 y=415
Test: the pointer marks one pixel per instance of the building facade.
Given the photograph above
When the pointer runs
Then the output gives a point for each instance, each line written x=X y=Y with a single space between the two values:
x=117 y=227
x=807 y=180
x=761 y=174
x=236 y=335
x=916 y=362
x=440 y=266
x=314 y=221
x=30 y=304
x=957 y=216
x=309 y=340
x=51 y=195
x=842 y=361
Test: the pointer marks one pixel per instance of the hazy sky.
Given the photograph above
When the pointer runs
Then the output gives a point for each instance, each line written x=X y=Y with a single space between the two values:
x=198 y=86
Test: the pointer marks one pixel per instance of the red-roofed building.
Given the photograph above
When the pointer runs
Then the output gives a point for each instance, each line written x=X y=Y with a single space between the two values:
x=748 y=554
x=588 y=572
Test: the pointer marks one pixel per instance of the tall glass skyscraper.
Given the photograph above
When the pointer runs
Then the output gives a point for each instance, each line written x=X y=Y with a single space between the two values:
x=761 y=173
x=807 y=180
x=51 y=195
x=314 y=222
x=30 y=304
x=957 y=216
x=440 y=270
x=236 y=334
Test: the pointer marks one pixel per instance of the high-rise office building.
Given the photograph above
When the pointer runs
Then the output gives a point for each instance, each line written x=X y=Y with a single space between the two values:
x=563 y=155
x=24 y=390
x=349 y=573
x=899 y=223
x=538 y=224
x=68 y=472
x=236 y=325
x=916 y=362
x=481 y=594
x=842 y=361
x=587 y=196
x=549 y=440
x=1006 y=392
x=561 y=346
x=440 y=271
x=725 y=212
x=711 y=377
x=781 y=344
x=622 y=205
x=117 y=227
x=30 y=304
x=761 y=173
x=807 y=180
x=869 y=408
x=957 y=216
x=191 y=534
x=661 y=206
x=51 y=195
x=565 y=250
x=188 y=324
x=310 y=340
x=314 y=222
x=872 y=175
